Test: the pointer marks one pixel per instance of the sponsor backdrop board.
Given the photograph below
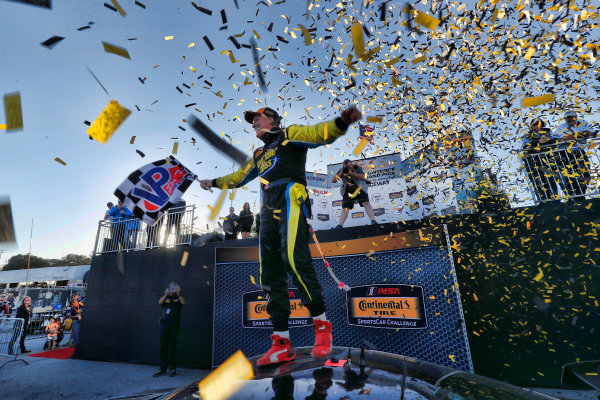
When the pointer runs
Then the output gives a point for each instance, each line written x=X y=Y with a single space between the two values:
x=320 y=193
x=403 y=301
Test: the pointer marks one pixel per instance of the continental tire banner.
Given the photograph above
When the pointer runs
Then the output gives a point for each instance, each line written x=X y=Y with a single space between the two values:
x=392 y=306
x=255 y=315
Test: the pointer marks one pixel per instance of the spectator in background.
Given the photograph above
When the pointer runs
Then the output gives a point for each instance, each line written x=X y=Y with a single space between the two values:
x=24 y=311
x=246 y=220
x=171 y=303
x=354 y=188
x=4 y=305
x=539 y=162
x=117 y=228
x=231 y=225
x=74 y=311
x=257 y=222
x=52 y=329
x=174 y=220
x=571 y=159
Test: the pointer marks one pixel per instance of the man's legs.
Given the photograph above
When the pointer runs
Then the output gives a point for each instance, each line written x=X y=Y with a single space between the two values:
x=273 y=278
x=369 y=210
x=296 y=254
x=343 y=216
x=22 y=341
x=173 y=333
x=76 y=324
x=164 y=338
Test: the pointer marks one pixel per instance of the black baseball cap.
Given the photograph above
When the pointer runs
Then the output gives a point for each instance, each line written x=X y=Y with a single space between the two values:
x=266 y=111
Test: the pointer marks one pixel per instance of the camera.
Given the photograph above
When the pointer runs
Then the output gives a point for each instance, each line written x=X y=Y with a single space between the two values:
x=173 y=288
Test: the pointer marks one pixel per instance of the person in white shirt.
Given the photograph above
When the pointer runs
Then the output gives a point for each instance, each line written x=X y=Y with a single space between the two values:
x=572 y=162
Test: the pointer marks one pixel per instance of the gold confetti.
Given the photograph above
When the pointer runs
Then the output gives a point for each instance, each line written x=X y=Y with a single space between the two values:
x=58 y=160
x=374 y=119
x=13 y=112
x=308 y=40
x=120 y=51
x=175 y=147
x=539 y=276
x=2 y=126
x=360 y=147
x=358 y=39
x=132 y=140
x=530 y=53
x=108 y=121
x=418 y=60
x=252 y=280
x=536 y=101
x=118 y=7
x=427 y=20
x=168 y=37
x=191 y=44
x=184 y=258
x=226 y=380
x=215 y=210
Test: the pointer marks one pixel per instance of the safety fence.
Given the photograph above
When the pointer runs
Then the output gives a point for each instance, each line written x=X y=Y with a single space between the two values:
x=172 y=229
x=10 y=335
x=39 y=321
x=565 y=171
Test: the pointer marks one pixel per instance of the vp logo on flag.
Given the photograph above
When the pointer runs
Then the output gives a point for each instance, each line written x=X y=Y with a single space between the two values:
x=154 y=188
x=161 y=183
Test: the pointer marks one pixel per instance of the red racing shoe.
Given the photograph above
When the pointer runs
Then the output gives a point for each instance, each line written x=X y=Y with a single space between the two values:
x=280 y=351
x=323 y=339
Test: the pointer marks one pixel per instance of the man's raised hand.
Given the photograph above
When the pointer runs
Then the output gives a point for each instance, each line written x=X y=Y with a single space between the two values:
x=206 y=184
x=351 y=114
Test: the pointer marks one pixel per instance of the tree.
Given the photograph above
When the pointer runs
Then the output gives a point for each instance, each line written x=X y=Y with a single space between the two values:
x=76 y=259
x=20 y=261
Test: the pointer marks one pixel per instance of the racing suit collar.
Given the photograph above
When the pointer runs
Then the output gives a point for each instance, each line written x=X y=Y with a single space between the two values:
x=270 y=136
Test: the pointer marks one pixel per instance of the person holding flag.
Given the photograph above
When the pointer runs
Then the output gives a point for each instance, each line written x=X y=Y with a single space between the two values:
x=280 y=165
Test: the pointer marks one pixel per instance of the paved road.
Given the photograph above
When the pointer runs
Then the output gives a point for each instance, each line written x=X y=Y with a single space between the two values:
x=48 y=378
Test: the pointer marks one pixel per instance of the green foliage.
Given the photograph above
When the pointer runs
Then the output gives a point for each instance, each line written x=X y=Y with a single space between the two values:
x=19 y=261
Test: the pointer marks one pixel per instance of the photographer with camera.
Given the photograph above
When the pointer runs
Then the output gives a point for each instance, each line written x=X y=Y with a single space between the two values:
x=354 y=188
x=171 y=304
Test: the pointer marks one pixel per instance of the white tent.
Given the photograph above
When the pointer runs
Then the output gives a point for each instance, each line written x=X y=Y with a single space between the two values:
x=74 y=273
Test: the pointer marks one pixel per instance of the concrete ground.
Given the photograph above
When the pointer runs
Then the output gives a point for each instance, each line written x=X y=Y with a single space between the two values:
x=48 y=378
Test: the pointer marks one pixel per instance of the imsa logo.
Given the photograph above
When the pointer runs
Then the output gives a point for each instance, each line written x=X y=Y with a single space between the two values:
x=391 y=306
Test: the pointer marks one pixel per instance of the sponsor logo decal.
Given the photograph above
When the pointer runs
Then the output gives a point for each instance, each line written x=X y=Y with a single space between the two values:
x=358 y=214
x=323 y=217
x=395 y=195
x=255 y=315
x=391 y=306
x=337 y=203
x=379 y=211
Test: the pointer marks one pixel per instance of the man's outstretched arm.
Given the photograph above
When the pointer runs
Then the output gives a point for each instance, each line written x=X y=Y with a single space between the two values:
x=245 y=174
x=325 y=132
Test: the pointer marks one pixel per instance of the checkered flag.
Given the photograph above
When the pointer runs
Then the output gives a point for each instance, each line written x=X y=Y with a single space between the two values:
x=152 y=189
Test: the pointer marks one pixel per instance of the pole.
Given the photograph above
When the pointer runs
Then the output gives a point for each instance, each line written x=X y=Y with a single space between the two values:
x=28 y=258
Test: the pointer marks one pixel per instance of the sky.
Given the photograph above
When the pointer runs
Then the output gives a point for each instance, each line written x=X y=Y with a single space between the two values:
x=58 y=91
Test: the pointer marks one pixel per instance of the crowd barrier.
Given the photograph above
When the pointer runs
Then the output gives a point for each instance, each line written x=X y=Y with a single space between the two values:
x=172 y=229
x=39 y=321
x=10 y=335
x=556 y=170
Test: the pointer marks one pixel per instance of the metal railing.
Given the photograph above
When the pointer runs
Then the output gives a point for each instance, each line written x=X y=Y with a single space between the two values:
x=563 y=171
x=172 y=229
x=10 y=335
x=39 y=321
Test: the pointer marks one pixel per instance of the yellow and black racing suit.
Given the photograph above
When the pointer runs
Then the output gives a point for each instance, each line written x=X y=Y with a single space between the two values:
x=280 y=165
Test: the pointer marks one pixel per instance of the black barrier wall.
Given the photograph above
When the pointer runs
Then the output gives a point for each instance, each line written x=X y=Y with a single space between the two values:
x=121 y=319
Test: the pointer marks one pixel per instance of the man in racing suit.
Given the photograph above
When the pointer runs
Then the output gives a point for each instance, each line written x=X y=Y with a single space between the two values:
x=280 y=166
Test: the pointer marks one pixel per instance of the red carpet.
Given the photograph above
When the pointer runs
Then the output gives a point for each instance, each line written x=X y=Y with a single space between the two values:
x=61 y=354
